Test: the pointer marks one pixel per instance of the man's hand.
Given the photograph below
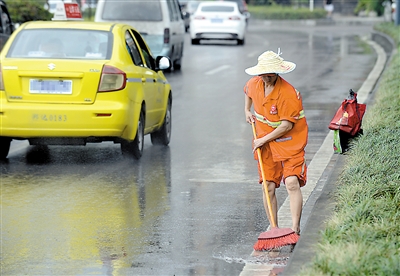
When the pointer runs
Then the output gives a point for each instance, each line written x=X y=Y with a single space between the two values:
x=249 y=117
x=281 y=130
x=258 y=143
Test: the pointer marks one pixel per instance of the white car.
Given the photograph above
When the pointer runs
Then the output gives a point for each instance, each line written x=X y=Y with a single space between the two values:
x=160 y=23
x=217 y=20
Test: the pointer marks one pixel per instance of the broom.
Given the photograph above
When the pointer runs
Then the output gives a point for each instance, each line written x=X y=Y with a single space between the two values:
x=276 y=237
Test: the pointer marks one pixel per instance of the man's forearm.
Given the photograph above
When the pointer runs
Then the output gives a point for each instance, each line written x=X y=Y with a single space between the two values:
x=248 y=102
x=281 y=130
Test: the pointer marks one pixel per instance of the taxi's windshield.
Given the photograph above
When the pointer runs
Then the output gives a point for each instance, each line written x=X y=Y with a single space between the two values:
x=61 y=43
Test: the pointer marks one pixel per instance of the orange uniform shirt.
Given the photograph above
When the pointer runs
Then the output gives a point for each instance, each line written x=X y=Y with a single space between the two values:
x=283 y=103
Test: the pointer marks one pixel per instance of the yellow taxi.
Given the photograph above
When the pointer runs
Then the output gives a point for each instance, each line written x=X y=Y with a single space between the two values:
x=75 y=82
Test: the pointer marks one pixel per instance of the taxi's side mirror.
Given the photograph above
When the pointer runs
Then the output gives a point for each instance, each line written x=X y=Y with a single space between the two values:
x=163 y=63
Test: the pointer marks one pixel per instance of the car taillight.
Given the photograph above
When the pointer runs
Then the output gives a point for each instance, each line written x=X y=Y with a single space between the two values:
x=166 y=35
x=234 y=18
x=1 y=79
x=199 y=17
x=112 y=79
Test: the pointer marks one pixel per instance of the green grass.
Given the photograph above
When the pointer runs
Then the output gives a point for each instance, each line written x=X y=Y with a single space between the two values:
x=363 y=235
x=277 y=12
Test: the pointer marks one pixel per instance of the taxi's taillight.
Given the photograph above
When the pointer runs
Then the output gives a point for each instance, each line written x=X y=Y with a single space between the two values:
x=1 y=79
x=112 y=79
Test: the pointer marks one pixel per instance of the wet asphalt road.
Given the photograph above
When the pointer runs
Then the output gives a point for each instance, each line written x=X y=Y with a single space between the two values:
x=193 y=208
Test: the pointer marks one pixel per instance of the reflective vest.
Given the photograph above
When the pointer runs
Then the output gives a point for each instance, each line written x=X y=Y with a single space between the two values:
x=283 y=103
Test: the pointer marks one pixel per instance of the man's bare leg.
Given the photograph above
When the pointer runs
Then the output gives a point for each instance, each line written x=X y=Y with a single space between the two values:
x=296 y=201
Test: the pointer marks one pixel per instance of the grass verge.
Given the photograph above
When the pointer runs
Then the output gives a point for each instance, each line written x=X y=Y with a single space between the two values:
x=363 y=235
x=276 y=12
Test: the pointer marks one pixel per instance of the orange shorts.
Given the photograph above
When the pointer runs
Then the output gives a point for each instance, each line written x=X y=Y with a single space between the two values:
x=278 y=171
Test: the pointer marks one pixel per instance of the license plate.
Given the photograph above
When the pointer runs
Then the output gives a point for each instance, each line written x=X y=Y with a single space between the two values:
x=216 y=20
x=39 y=117
x=63 y=87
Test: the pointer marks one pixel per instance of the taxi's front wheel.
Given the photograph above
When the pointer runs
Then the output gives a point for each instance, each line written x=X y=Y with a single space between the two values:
x=135 y=148
x=4 y=147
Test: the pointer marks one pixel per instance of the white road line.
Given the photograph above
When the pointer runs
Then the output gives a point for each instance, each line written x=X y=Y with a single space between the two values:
x=218 y=69
x=253 y=54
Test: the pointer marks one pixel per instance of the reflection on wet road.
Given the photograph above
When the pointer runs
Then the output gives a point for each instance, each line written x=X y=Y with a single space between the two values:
x=64 y=215
x=192 y=208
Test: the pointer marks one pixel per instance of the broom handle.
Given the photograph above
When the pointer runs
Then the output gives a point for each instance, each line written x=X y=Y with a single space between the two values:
x=264 y=181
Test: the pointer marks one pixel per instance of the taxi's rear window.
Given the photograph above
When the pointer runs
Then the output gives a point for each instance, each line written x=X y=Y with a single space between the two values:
x=61 y=43
x=136 y=10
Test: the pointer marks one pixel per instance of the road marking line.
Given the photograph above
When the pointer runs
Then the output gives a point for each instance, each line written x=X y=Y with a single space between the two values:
x=253 y=54
x=218 y=69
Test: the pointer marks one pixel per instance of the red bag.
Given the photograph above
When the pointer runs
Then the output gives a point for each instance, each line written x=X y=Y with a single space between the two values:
x=349 y=116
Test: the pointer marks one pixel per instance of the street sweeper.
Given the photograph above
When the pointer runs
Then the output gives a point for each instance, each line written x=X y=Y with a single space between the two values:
x=281 y=134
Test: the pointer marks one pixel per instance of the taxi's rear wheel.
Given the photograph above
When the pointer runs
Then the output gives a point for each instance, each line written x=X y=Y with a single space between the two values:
x=135 y=148
x=5 y=143
x=163 y=135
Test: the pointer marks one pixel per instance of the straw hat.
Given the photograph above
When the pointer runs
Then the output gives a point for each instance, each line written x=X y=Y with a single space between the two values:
x=270 y=62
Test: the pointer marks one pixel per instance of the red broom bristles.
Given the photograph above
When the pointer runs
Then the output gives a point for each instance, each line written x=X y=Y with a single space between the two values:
x=272 y=243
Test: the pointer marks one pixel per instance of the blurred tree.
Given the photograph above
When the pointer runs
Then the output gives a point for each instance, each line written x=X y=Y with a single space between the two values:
x=301 y=3
x=283 y=2
x=370 y=5
x=47 y=1
x=28 y=10
x=278 y=2
x=260 y=2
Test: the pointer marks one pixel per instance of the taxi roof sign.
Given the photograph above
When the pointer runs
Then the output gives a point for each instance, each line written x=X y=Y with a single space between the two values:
x=67 y=11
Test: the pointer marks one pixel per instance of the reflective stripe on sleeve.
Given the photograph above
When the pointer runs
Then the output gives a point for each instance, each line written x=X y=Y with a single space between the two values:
x=301 y=115
x=272 y=124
